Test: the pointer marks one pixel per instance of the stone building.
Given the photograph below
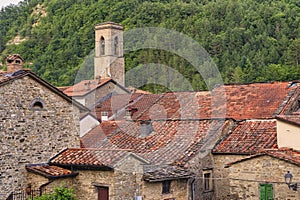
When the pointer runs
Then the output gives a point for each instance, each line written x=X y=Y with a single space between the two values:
x=36 y=122
x=109 y=67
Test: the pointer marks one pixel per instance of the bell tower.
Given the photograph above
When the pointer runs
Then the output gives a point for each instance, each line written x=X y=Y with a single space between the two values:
x=109 y=60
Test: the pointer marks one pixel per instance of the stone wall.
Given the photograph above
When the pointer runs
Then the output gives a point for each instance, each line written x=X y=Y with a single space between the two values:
x=29 y=134
x=123 y=182
x=221 y=175
x=101 y=92
x=178 y=190
x=245 y=178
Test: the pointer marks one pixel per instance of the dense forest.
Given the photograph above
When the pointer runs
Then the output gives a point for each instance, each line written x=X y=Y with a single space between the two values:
x=249 y=40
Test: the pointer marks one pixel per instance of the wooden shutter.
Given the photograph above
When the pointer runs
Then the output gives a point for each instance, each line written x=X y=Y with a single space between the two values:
x=266 y=191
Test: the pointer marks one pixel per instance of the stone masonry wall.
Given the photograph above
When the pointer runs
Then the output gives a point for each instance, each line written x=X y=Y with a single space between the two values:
x=108 y=88
x=221 y=175
x=246 y=176
x=153 y=191
x=32 y=136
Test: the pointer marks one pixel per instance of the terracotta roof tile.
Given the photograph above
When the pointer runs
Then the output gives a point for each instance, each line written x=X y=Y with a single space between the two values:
x=288 y=155
x=50 y=171
x=249 y=137
x=116 y=104
x=174 y=141
x=95 y=158
x=99 y=133
x=84 y=87
x=250 y=101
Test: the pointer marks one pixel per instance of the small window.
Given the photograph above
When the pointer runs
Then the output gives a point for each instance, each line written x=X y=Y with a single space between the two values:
x=166 y=185
x=37 y=104
x=207 y=176
x=128 y=113
x=104 y=116
x=102 y=46
x=116 y=45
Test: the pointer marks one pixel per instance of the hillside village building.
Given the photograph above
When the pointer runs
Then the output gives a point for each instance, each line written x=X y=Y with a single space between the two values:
x=234 y=142
x=36 y=122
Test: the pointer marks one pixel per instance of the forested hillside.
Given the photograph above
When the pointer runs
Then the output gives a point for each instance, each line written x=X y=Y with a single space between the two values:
x=249 y=40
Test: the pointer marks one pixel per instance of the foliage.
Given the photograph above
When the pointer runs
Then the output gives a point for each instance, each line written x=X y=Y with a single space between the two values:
x=247 y=39
x=60 y=193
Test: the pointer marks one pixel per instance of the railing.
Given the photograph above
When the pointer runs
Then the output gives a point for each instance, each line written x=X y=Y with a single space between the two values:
x=23 y=195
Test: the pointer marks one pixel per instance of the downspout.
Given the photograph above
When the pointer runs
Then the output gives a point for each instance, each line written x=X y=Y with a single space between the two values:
x=193 y=189
x=44 y=185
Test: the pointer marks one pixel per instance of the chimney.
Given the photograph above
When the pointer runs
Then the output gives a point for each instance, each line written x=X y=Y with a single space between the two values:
x=146 y=128
x=98 y=79
x=104 y=116
x=87 y=85
x=14 y=63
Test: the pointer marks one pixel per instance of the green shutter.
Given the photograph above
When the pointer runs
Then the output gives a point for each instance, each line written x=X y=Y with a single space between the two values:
x=266 y=191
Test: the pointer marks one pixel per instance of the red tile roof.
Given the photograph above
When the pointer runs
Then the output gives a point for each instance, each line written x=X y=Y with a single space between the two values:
x=116 y=104
x=93 y=158
x=250 y=101
x=99 y=133
x=249 y=137
x=170 y=141
x=50 y=171
x=288 y=155
x=84 y=87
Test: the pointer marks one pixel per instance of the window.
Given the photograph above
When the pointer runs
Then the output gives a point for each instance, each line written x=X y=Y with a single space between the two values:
x=166 y=187
x=116 y=43
x=104 y=116
x=266 y=191
x=207 y=179
x=102 y=46
x=37 y=104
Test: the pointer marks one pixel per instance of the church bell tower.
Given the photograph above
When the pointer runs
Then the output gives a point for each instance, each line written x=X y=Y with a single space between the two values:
x=109 y=60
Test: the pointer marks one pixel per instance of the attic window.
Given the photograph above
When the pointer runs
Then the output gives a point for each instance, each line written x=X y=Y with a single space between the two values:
x=37 y=104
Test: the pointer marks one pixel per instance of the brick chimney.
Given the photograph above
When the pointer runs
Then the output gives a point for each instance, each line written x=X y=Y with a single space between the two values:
x=14 y=63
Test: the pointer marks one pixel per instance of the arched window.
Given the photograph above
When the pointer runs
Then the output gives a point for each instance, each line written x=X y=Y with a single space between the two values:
x=37 y=104
x=102 y=46
x=116 y=45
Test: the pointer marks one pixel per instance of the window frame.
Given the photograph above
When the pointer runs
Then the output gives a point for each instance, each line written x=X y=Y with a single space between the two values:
x=166 y=187
x=207 y=180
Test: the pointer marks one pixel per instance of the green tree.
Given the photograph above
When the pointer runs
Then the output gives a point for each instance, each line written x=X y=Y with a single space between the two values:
x=60 y=193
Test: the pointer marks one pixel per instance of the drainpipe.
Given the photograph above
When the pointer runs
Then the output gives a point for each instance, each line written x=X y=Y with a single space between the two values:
x=44 y=185
x=193 y=189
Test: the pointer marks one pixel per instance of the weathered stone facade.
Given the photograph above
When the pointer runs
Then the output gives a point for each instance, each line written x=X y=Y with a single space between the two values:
x=35 y=124
x=221 y=175
x=123 y=183
x=245 y=178
x=92 y=97
x=178 y=190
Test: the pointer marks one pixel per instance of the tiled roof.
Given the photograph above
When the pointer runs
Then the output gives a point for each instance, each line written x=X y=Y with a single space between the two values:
x=174 y=141
x=167 y=173
x=249 y=101
x=50 y=171
x=4 y=76
x=84 y=87
x=293 y=119
x=288 y=155
x=92 y=158
x=249 y=137
x=116 y=104
x=99 y=133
